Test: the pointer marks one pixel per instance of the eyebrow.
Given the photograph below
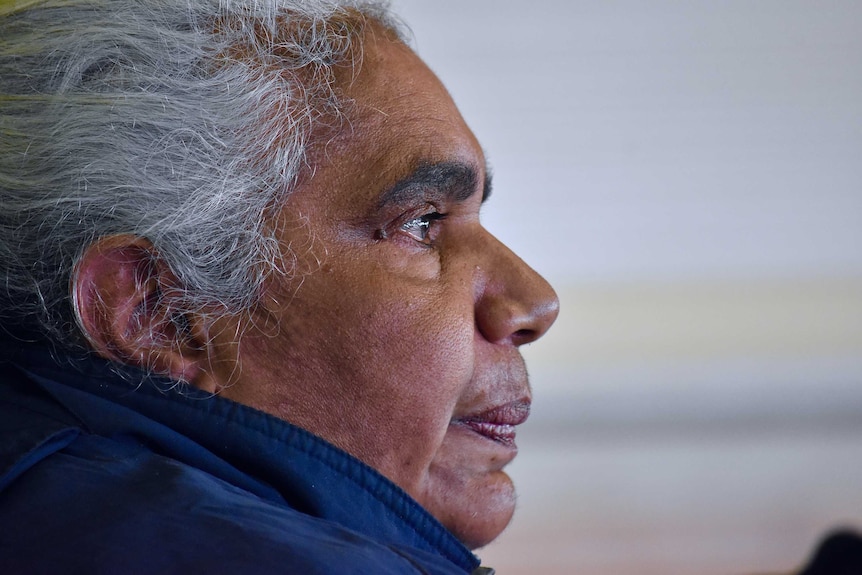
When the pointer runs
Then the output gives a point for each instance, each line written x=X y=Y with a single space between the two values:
x=451 y=181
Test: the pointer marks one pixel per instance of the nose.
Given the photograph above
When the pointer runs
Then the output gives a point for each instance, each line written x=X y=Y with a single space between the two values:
x=515 y=305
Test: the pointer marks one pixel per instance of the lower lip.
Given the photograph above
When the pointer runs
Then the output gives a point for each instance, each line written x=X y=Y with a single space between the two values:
x=499 y=432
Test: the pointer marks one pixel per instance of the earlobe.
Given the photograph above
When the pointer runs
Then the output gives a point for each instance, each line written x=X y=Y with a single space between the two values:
x=126 y=301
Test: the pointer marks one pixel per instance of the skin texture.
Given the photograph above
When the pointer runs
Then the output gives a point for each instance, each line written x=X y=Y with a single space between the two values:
x=396 y=334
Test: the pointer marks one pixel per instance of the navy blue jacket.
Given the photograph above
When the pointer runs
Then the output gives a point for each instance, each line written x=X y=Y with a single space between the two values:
x=101 y=475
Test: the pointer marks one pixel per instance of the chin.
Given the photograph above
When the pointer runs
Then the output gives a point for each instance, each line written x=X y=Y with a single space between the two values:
x=479 y=511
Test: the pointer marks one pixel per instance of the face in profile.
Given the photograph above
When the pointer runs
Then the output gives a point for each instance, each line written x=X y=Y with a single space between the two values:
x=397 y=336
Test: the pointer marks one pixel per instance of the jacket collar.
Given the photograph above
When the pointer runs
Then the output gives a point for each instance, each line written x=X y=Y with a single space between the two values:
x=267 y=456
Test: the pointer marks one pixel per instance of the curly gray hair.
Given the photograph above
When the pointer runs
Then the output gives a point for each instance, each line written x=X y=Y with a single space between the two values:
x=185 y=122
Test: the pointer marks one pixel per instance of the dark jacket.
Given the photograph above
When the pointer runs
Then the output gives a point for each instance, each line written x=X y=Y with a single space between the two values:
x=108 y=473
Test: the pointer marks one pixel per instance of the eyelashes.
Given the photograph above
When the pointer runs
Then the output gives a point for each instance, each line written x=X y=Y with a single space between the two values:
x=421 y=228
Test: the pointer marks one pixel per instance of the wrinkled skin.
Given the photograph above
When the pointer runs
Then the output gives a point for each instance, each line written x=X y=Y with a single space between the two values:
x=397 y=339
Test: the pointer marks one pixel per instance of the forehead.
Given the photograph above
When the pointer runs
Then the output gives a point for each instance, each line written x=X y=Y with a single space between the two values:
x=399 y=116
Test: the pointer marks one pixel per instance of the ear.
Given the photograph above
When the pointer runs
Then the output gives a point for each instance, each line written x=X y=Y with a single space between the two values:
x=126 y=300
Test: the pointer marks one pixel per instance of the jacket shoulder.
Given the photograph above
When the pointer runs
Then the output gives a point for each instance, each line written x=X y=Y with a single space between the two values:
x=114 y=506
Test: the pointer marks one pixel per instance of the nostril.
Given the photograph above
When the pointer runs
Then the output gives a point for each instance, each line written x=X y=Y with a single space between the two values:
x=523 y=336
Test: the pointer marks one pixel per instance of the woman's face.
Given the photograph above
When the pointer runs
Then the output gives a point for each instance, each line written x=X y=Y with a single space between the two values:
x=397 y=336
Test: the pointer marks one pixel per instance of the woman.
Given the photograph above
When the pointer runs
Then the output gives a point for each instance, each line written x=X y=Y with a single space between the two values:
x=254 y=322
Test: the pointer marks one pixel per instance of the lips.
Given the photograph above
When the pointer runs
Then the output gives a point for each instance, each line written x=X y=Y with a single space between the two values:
x=498 y=424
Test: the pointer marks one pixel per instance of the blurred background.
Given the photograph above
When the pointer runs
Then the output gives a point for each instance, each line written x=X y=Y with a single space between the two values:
x=688 y=174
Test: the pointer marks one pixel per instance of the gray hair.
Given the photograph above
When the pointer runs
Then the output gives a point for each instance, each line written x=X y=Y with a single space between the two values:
x=185 y=122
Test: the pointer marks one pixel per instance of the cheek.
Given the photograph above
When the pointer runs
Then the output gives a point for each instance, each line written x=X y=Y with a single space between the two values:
x=408 y=355
x=401 y=320
x=410 y=351
x=373 y=359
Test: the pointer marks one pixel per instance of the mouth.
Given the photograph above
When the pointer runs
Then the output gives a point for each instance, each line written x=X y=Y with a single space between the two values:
x=498 y=424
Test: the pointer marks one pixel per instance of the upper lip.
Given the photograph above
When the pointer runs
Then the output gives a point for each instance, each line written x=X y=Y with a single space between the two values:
x=513 y=413
x=498 y=423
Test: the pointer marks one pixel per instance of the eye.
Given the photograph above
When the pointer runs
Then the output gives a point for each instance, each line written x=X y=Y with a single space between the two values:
x=420 y=228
